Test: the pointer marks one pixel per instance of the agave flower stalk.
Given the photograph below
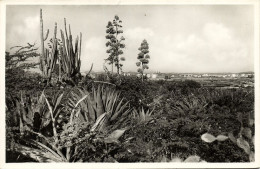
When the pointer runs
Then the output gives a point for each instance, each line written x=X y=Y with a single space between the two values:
x=115 y=44
x=143 y=58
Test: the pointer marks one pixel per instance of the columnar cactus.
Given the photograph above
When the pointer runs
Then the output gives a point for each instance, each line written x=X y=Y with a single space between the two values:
x=48 y=57
x=143 y=57
x=63 y=53
x=69 y=57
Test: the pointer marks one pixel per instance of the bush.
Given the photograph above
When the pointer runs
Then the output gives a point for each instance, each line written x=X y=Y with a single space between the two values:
x=183 y=111
x=138 y=93
x=17 y=79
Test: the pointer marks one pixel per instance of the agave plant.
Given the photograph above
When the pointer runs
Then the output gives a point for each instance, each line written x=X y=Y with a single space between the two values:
x=94 y=111
x=102 y=104
x=43 y=111
x=142 y=115
x=190 y=105
x=50 y=148
x=62 y=146
x=31 y=112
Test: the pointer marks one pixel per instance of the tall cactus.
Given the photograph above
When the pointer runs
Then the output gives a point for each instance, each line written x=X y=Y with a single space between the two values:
x=48 y=57
x=65 y=55
x=69 y=57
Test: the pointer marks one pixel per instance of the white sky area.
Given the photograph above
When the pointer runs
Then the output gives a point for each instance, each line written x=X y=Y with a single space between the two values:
x=182 y=38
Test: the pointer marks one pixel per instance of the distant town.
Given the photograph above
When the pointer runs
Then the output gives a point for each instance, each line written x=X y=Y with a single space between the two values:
x=168 y=76
x=215 y=80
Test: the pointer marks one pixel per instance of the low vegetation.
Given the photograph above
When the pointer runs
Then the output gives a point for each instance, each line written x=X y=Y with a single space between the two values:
x=61 y=116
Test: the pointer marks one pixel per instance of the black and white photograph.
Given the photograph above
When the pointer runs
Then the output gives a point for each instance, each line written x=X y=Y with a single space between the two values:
x=130 y=83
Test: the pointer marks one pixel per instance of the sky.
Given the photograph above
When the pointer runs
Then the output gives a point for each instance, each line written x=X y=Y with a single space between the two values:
x=181 y=38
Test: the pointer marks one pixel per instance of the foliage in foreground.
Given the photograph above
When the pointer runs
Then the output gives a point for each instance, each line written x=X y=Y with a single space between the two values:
x=165 y=124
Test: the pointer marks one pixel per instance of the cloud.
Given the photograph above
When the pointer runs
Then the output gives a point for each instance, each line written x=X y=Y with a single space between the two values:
x=134 y=37
x=93 y=51
x=26 y=31
x=138 y=33
x=201 y=38
x=214 y=49
x=216 y=33
x=32 y=23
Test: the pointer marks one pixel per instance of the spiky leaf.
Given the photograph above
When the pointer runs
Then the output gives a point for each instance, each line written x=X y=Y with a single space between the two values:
x=114 y=136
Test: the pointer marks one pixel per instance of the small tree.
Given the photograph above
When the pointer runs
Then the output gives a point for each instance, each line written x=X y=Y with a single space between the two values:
x=115 y=44
x=20 y=58
x=17 y=60
x=143 y=58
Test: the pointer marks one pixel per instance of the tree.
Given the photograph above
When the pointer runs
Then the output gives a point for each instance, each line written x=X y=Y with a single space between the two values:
x=114 y=44
x=143 y=58
x=19 y=59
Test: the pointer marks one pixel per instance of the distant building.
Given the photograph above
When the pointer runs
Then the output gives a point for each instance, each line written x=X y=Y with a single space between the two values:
x=160 y=76
x=234 y=75
x=250 y=75
x=92 y=75
x=127 y=74
x=187 y=75
x=218 y=75
x=154 y=76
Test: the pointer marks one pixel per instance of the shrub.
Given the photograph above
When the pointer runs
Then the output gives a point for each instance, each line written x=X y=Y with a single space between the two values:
x=138 y=93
